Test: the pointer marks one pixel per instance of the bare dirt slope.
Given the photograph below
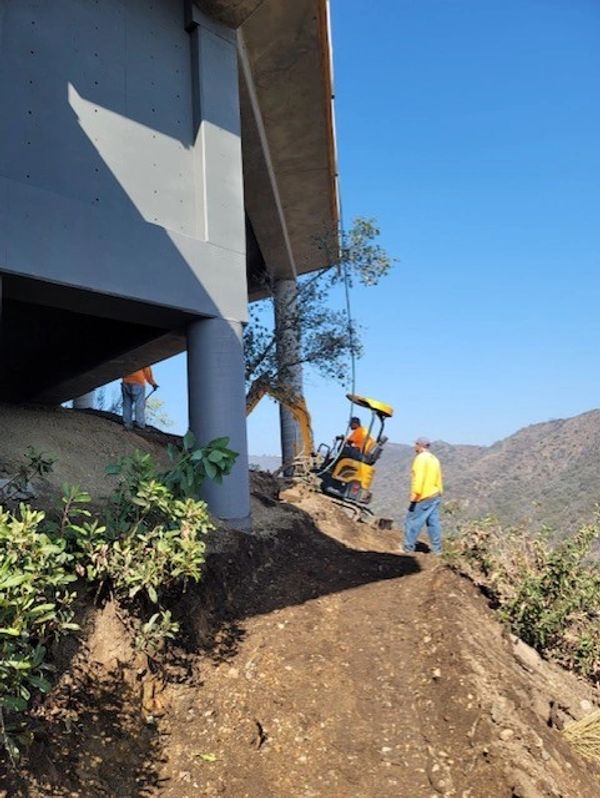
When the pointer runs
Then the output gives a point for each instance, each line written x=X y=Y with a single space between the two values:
x=82 y=443
x=316 y=663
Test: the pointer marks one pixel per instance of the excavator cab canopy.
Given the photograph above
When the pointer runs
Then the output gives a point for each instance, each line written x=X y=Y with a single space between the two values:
x=387 y=411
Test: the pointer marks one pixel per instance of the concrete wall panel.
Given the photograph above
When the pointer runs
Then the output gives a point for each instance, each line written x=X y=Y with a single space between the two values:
x=54 y=238
x=98 y=185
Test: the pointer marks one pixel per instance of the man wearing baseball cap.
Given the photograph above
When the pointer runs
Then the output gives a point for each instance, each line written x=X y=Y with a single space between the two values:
x=426 y=488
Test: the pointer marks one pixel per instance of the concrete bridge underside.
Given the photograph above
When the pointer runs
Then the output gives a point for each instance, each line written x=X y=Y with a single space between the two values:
x=77 y=334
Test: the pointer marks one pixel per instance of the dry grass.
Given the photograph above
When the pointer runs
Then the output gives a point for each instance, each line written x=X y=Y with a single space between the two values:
x=584 y=736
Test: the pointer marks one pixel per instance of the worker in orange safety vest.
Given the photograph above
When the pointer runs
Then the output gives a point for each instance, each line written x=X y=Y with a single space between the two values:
x=133 y=390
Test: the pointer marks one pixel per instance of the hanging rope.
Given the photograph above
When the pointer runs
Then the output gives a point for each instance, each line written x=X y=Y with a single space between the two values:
x=350 y=326
x=351 y=339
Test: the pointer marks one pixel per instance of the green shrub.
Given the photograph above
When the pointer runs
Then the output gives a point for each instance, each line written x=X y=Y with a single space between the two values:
x=555 y=609
x=549 y=596
x=36 y=572
x=153 y=526
x=160 y=548
x=192 y=464
x=37 y=464
x=146 y=546
x=151 y=636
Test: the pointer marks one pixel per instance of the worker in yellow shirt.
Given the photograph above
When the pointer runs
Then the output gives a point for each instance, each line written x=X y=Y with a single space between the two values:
x=133 y=389
x=425 y=498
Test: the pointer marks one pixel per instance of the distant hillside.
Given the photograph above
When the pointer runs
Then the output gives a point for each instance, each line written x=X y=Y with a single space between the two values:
x=265 y=462
x=548 y=473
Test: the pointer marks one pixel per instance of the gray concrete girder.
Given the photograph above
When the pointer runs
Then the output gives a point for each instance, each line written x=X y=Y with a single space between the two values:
x=159 y=348
x=288 y=79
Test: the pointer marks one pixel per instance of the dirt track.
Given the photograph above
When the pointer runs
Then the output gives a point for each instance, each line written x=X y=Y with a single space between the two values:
x=318 y=663
x=400 y=685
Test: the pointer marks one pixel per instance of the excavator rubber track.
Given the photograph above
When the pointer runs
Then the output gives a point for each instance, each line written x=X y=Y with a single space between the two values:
x=361 y=514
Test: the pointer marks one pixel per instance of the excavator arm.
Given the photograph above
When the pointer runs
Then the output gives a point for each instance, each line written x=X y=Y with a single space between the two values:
x=294 y=403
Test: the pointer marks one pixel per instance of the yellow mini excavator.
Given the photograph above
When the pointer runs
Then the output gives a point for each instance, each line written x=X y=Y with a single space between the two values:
x=343 y=473
x=347 y=472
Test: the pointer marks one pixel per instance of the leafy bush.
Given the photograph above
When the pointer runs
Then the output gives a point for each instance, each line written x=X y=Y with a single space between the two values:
x=145 y=547
x=152 y=635
x=131 y=470
x=160 y=548
x=192 y=464
x=153 y=525
x=36 y=464
x=36 y=571
x=549 y=596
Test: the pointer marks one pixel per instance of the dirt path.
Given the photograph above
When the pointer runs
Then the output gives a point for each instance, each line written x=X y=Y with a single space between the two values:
x=320 y=664
x=319 y=701
x=369 y=693
x=399 y=683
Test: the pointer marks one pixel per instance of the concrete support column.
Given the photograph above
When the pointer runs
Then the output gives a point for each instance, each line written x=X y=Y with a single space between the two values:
x=287 y=340
x=85 y=402
x=217 y=399
x=217 y=408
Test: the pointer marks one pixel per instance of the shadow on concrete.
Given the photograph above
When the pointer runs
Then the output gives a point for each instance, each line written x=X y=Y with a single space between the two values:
x=80 y=218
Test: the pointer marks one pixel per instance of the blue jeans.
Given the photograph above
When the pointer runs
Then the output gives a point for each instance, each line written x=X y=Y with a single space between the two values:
x=425 y=512
x=134 y=400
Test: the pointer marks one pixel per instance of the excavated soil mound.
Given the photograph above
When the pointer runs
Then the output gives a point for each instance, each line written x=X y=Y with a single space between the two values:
x=82 y=443
x=315 y=662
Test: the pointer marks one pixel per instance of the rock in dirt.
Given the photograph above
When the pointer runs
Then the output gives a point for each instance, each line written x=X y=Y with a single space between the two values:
x=525 y=655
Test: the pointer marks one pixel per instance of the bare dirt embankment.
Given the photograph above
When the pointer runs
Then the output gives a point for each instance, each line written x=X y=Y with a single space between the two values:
x=316 y=662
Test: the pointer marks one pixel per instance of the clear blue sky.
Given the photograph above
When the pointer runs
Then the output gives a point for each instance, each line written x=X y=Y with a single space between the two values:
x=470 y=129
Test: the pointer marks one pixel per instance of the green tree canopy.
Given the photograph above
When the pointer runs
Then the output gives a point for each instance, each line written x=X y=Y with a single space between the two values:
x=327 y=337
